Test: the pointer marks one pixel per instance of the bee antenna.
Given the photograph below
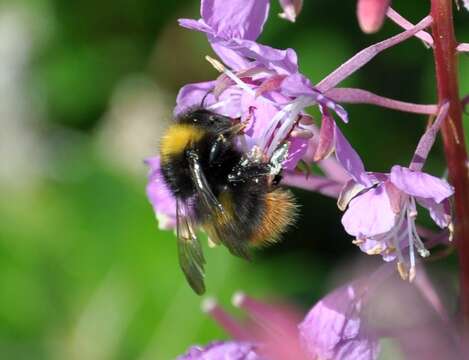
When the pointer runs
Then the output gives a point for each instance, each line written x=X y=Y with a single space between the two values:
x=202 y=103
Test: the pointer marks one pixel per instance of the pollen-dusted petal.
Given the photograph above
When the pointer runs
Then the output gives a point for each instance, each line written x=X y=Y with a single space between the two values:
x=297 y=150
x=420 y=184
x=369 y=214
x=371 y=14
x=373 y=246
x=242 y=19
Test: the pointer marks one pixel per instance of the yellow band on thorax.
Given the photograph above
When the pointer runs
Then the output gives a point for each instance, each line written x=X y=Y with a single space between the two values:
x=177 y=138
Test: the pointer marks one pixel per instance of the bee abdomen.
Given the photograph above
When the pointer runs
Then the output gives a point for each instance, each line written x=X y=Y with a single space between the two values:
x=279 y=212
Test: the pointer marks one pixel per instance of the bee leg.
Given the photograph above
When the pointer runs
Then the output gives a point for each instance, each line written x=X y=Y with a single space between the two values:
x=277 y=178
x=217 y=149
x=246 y=171
x=277 y=159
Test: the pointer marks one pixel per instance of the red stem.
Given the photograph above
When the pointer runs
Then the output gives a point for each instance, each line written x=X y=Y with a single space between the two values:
x=453 y=135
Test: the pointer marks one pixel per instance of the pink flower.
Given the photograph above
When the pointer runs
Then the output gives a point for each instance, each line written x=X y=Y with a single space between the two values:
x=334 y=327
x=332 y=330
x=226 y=350
x=382 y=207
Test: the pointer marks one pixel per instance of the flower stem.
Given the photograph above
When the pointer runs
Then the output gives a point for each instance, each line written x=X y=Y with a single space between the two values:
x=453 y=135
x=359 y=96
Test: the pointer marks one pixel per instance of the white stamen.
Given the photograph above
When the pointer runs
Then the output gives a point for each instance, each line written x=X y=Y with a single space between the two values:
x=411 y=243
x=217 y=105
x=423 y=252
x=409 y=233
x=273 y=125
x=395 y=237
x=297 y=106
x=220 y=67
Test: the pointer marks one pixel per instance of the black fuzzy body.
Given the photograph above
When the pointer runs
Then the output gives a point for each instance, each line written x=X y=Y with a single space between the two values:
x=244 y=197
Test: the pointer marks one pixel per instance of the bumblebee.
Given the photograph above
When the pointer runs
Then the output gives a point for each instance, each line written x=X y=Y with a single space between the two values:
x=233 y=196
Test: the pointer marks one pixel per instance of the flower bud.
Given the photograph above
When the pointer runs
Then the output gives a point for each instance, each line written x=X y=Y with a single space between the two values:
x=291 y=9
x=371 y=14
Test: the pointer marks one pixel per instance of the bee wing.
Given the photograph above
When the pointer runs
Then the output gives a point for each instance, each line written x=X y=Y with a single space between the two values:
x=221 y=226
x=191 y=257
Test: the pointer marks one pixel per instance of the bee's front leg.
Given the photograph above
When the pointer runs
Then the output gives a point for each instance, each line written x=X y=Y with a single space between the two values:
x=218 y=148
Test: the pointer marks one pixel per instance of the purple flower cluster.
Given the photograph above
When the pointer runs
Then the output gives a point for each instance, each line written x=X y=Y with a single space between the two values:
x=333 y=329
x=262 y=87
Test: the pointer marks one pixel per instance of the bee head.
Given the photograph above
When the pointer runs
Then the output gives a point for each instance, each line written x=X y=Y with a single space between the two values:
x=207 y=119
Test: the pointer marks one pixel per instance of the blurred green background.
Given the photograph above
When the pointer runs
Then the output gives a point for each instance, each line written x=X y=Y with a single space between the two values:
x=86 y=89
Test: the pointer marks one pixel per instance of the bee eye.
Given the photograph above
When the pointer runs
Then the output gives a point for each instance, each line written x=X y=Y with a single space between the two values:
x=211 y=119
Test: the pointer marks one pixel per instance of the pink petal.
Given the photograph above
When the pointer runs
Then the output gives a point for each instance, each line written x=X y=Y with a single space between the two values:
x=243 y=19
x=371 y=14
x=326 y=141
x=296 y=151
x=361 y=348
x=334 y=326
x=369 y=214
x=227 y=350
x=197 y=25
x=395 y=196
x=192 y=94
x=439 y=212
x=349 y=191
x=349 y=159
x=296 y=85
x=372 y=246
x=230 y=57
x=270 y=84
x=283 y=62
x=159 y=195
x=420 y=184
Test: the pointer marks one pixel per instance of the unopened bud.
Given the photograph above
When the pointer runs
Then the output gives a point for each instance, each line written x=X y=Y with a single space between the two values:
x=371 y=14
x=291 y=9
